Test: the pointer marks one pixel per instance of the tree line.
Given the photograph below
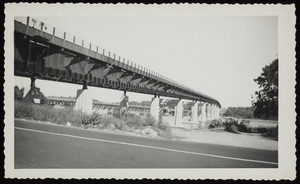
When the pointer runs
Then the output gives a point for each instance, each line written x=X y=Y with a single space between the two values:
x=265 y=102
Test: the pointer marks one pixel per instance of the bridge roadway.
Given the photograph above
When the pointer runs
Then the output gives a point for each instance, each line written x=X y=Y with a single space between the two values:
x=45 y=52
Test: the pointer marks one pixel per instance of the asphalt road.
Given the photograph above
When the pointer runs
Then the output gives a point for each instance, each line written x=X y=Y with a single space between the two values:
x=39 y=145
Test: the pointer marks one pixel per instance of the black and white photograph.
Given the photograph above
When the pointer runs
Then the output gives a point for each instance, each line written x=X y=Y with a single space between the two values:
x=149 y=89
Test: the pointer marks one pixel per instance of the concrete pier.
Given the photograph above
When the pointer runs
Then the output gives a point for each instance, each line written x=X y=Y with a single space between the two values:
x=178 y=113
x=33 y=94
x=203 y=112
x=208 y=112
x=124 y=104
x=217 y=112
x=84 y=101
x=195 y=112
x=203 y=115
x=211 y=112
x=154 y=109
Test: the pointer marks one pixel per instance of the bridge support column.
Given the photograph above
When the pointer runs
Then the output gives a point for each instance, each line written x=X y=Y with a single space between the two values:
x=199 y=111
x=208 y=113
x=154 y=109
x=203 y=112
x=212 y=116
x=178 y=113
x=124 y=104
x=33 y=94
x=195 y=112
x=203 y=115
x=217 y=112
x=84 y=101
x=211 y=111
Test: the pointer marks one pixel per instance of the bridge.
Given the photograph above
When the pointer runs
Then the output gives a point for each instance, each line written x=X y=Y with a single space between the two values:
x=42 y=51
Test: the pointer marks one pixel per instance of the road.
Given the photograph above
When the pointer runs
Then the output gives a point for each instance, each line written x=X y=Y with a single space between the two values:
x=39 y=145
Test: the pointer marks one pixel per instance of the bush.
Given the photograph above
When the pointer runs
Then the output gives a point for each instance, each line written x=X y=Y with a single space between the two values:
x=214 y=124
x=77 y=118
x=23 y=110
x=231 y=125
x=118 y=123
x=231 y=128
x=117 y=112
x=132 y=120
x=261 y=130
x=163 y=128
x=74 y=117
x=149 y=120
x=243 y=128
x=272 y=132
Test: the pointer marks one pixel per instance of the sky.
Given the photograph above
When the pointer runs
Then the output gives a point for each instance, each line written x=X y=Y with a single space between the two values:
x=216 y=55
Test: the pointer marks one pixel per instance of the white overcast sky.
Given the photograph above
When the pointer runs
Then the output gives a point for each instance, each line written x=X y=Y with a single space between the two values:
x=216 y=55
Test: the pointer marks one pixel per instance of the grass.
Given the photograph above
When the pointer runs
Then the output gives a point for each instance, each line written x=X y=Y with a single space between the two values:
x=124 y=121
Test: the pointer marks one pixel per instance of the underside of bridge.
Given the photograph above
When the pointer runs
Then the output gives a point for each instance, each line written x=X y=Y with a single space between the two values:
x=42 y=54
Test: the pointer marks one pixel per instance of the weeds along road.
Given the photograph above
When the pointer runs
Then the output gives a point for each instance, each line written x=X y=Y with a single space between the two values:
x=39 y=145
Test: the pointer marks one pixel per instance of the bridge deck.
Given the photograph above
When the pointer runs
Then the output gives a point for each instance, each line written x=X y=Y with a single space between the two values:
x=42 y=53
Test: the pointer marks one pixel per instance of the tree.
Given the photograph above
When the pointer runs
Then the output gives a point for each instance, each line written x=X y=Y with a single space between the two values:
x=239 y=112
x=266 y=104
x=18 y=93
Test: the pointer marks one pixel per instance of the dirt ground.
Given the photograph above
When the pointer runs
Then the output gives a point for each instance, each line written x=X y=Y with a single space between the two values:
x=218 y=136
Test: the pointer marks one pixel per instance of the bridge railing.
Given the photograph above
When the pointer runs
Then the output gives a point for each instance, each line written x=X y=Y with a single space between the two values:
x=111 y=56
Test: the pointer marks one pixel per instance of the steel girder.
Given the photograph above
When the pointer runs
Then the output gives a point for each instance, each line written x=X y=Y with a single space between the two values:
x=149 y=82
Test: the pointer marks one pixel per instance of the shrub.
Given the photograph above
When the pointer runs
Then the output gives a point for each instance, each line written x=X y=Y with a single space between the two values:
x=231 y=128
x=105 y=121
x=163 y=128
x=242 y=127
x=117 y=112
x=272 y=132
x=62 y=116
x=214 y=123
x=118 y=123
x=231 y=125
x=132 y=120
x=23 y=110
x=77 y=118
x=261 y=130
x=149 y=120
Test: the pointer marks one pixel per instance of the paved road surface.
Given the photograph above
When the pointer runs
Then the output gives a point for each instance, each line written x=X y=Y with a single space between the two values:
x=40 y=145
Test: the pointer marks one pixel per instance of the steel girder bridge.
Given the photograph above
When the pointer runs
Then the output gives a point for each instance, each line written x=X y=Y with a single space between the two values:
x=44 y=52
